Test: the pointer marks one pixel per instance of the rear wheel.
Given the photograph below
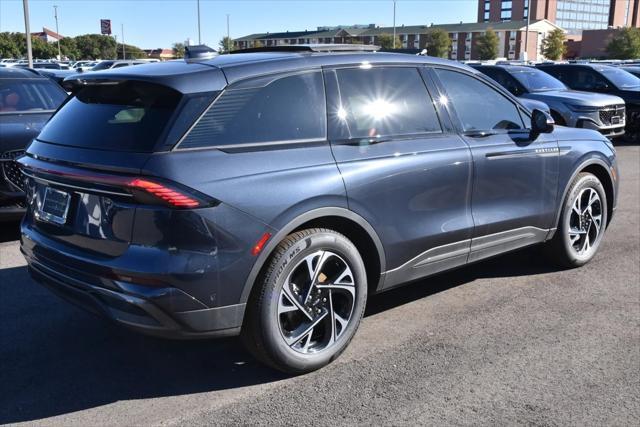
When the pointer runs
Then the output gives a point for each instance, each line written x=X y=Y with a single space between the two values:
x=582 y=223
x=308 y=304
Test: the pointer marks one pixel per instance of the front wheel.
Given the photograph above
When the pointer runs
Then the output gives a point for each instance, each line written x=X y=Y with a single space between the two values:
x=582 y=224
x=308 y=304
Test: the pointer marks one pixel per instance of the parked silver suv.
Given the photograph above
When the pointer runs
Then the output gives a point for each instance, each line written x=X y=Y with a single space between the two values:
x=601 y=112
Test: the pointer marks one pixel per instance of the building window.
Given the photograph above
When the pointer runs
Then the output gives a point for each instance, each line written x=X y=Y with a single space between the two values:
x=505 y=15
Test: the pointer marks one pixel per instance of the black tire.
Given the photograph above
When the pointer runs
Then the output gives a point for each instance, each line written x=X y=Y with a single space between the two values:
x=561 y=249
x=262 y=334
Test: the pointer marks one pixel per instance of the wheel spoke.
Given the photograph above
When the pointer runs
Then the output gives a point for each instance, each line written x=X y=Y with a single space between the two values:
x=304 y=331
x=314 y=272
x=286 y=292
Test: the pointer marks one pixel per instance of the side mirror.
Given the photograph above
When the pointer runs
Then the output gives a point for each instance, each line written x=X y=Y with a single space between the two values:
x=541 y=122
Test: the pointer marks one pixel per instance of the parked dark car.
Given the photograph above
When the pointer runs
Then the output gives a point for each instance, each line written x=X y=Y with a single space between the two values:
x=568 y=107
x=267 y=194
x=27 y=100
x=603 y=79
x=58 y=76
x=633 y=69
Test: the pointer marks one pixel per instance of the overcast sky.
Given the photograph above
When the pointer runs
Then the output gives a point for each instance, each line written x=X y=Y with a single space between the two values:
x=160 y=23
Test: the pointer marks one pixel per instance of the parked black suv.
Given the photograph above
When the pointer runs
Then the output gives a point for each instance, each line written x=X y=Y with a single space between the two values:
x=27 y=100
x=603 y=79
x=268 y=194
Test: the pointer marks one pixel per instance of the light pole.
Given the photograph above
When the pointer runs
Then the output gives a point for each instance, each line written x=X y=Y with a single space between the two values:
x=526 y=36
x=394 y=24
x=228 y=37
x=55 y=14
x=199 y=39
x=25 y=6
x=124 y=55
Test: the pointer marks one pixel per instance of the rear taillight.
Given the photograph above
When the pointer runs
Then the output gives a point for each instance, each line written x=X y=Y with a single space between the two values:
x=170 y=195
x=145 y=190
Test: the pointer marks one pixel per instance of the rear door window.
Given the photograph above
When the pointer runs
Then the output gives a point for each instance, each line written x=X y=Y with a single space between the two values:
x=382 y=102
x=127 y=116
x=29 y=95
x=272 y=109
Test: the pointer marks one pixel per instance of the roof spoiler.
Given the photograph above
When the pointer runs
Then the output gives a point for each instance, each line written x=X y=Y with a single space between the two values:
x=313 y=48
x=197 y=52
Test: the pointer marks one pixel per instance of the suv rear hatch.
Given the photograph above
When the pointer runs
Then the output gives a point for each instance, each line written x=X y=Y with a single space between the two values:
x=83 y=171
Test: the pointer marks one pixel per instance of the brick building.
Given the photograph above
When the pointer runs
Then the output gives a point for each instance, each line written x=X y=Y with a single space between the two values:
x=464 y=36
x=573 y=15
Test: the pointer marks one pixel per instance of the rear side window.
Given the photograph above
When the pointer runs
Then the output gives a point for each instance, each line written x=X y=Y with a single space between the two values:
x=128 y=116
x=379 y=102
x=24 y=95
x=479 y=106
x=272 y=109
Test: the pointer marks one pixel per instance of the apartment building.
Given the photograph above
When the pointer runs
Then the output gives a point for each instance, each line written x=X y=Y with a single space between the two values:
x=574 y=16
x=464 y=36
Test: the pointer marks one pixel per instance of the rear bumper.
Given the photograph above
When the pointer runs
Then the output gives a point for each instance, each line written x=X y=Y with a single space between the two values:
x=163 y=311
x=140 y=313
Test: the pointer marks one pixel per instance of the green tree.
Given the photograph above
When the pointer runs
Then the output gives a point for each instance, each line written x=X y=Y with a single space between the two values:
x=131 y=52
x=10 y=45
x=438 y=43
x=385 y=41
x=178 y=50
x=69 y=48
x=225 y=45
x=625 y=44
x=553 y=46
x=487 y=45
x=96 y=46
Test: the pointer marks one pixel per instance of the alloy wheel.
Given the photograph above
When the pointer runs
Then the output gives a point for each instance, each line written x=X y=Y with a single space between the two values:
x=585 y=221
x=316 y=302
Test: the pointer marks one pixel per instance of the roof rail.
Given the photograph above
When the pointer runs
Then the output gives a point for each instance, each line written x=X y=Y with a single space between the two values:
x=312 y=48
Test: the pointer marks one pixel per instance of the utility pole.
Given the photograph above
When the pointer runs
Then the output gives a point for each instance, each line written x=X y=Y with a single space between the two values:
x=394 y=24
x=27 y=30
x=199 y=39
x=55 y=14
x=228 y=37
x=124 y=54
x=526 y=36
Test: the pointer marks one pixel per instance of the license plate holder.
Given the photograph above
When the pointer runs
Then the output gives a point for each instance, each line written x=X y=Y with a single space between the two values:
x=55 y=206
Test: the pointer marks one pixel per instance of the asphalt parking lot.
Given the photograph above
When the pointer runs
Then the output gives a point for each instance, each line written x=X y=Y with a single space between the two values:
x=509 y=341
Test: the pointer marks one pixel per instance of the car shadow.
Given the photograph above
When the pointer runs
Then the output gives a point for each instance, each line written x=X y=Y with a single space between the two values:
x=57 y=359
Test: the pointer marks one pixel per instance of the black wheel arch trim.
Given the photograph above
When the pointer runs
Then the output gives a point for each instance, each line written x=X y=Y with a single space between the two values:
x=584 y=164
x=297 y=222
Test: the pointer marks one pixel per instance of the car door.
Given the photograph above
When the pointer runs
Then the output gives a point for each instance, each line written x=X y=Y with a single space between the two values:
x=405 y=169
x=515 y=175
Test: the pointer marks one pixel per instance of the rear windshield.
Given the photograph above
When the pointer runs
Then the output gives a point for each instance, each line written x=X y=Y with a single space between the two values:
x=128 y=116
x=29 y=95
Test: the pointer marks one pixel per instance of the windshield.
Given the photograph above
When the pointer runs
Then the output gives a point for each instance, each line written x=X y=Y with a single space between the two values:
x=102 y=65
x=537 y=81
x=620 y=78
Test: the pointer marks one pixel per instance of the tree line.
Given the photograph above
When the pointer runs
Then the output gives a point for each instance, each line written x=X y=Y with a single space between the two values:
x=88 y=46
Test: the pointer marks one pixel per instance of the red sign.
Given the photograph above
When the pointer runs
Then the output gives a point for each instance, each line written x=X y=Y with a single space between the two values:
x=105 y=26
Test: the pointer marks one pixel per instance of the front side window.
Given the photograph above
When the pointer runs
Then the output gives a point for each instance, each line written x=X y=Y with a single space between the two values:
x=24 y=95
x=382 y=102
x=479 y=107
x=266 y=110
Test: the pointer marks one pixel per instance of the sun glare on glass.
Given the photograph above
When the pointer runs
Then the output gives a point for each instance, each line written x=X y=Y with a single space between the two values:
x=379 y=109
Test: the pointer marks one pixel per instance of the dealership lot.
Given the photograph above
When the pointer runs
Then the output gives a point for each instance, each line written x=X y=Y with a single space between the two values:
x=511 y=340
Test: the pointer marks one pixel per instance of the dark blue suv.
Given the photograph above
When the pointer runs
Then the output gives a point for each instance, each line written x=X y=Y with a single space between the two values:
x=267 y=194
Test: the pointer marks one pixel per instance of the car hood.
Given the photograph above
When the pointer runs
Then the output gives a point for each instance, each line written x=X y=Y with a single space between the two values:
x=576 y=97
